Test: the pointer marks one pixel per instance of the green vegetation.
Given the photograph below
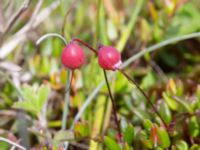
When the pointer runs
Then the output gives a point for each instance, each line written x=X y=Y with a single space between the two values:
x=159 y=42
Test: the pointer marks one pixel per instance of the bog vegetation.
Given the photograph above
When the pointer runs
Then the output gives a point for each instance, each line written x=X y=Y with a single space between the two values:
x=101 y=74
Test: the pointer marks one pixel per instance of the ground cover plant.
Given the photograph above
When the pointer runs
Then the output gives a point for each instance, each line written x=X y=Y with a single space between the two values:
x=100 y=74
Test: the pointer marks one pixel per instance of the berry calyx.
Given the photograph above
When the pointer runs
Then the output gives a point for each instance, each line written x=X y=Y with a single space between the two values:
x=109 y=58
x=72 y=56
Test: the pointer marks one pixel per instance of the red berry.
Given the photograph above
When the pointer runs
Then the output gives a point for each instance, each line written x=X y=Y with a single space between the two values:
x=109 y=58
x=72 y=56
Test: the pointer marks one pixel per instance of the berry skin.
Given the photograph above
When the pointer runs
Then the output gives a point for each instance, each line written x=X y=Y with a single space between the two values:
x=72 y=56
x=109 y=58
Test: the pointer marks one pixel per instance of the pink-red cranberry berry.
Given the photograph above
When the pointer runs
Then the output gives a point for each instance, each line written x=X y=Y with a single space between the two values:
x=72 y=56
x=109 y=58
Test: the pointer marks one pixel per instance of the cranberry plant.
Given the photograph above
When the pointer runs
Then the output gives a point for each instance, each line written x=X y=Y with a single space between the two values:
x=100 y=75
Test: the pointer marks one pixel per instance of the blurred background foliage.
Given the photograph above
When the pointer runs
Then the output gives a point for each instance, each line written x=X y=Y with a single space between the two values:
x=169 y=76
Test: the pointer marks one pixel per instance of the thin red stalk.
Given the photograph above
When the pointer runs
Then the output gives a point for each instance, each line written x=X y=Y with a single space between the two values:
x=114 y=107
x=108 y=86
x=85 y=44
x=147 y=98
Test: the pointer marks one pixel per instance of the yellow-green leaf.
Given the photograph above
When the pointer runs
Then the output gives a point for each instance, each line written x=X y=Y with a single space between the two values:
x=170 y=101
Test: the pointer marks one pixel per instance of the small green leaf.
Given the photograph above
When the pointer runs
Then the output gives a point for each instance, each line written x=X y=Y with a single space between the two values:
x=129 y=134
x=30 y=97
x=26 y=105
x=143 y=138
x=194 y=126
x=159 y=148
x=28 y=93
x=164 y=140
x=34 y=99
x=165 y=112
x=142 y=114
x=181 y=145
x=62 y=136
x=127 y=147
x=121 y=84
x=195 y=147
x=170 y=101
x=4 y=145
x=111 y=144
x=147 y=124
x=171 y=87
x=81 y=130
x=148 y=143
x=185 y=104
x=180 y=88
x=43 y=93
x=138 y=112
x=148 y=80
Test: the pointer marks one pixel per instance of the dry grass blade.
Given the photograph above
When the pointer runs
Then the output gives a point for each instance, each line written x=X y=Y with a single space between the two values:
x=20 y=36
x=14 y=18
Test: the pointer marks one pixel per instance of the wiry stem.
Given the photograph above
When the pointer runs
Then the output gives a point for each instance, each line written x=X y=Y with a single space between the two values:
x=65 y=112
x=42 y=38
x=85 y=44
x=147 y=98
x=70 y=82
x=114 y=107
x=108 y=86
x=158 y=46
x=92 y=96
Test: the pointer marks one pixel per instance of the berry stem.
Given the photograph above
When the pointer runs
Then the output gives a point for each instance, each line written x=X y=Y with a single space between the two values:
x=70 y=84
x=65 y=111
x=85 y=44
x=114 y=106
x=147 y=98
x=69 y=80
x=42 y=38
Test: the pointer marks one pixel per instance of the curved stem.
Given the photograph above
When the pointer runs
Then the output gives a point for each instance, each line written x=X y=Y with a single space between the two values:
x=85 y=44
x=66 y=103
x=147 y=98
x=159 y=45
x=12 y=143
x=68 y=84
x=113 y=105
x=42 y=38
